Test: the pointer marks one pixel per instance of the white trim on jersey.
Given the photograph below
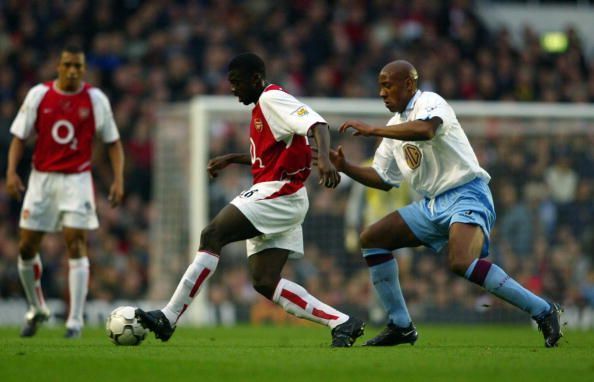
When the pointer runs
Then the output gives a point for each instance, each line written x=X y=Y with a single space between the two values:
x=22 y=126
x=105 y=125
x=286 y=115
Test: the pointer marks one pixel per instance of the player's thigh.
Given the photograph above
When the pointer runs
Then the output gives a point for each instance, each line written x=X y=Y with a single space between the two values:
x=76 y=242
x=40 y=211
x=390 y=232
x=464 y=245
x=29 y=243
x=77 y=202
x=267 y=265
x=229 y=225
x=272 y=215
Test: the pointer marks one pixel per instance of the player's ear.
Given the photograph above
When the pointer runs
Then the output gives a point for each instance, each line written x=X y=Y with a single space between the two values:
x=257 y=79
x=409 y=84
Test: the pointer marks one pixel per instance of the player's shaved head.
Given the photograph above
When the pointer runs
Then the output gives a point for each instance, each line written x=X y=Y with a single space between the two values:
x=398 y=84
x=246 y=75
x=401 y=70
x=248 y=63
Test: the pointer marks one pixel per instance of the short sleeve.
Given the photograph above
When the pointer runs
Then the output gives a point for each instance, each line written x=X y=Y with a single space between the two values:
x=385 y=164
x=434 y=106
x=104 y=123
x=23 y=124
x=286 y=115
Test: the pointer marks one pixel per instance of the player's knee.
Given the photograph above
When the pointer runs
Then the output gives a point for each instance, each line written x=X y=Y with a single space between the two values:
x=367 y=239
x=458 y=264
x=27 y=250
x=76 y=247
x=210 y=237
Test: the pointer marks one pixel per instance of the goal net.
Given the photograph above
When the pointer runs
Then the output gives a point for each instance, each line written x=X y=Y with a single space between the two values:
x=541 y=159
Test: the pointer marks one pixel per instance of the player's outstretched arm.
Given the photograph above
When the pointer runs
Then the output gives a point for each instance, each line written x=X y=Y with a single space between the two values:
x=215 y=165
x=329 y=176
x=115 y=151
x=363 y=174
x=417 y=130
x=14 y=184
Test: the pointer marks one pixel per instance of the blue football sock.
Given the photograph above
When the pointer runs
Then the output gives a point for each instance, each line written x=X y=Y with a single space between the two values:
x=499 y=283
x=384 y=277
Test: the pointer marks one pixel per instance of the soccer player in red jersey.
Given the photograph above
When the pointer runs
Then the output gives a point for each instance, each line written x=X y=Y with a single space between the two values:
x=268 y=215
x=65 y=115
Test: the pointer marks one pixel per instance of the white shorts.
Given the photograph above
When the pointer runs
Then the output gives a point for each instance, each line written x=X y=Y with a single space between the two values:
x=279 y=218
x=55 y=200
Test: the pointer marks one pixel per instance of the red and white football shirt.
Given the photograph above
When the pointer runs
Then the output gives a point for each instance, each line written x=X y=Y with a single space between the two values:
x=65 y=124
x=281 y=158
x=279 y=148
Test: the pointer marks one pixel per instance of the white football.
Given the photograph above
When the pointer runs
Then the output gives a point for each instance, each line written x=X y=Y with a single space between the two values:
x=123 y=328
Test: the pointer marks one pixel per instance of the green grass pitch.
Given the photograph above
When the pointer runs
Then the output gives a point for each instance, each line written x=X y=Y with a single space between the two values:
x=283 y=354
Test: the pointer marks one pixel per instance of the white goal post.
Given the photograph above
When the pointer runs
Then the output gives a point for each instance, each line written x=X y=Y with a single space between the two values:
x=183 y=139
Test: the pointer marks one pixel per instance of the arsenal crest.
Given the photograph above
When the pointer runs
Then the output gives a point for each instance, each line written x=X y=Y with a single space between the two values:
x=83 y=112
x=258 y=124
x=413 y=155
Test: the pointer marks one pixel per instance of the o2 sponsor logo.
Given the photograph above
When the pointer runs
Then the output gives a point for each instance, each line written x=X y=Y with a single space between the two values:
x=63 y=133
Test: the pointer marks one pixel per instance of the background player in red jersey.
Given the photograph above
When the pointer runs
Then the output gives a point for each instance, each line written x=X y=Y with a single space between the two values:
x=65 y=114
x=268 y=215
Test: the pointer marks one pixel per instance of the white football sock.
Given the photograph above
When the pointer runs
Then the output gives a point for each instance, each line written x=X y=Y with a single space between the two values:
x=298 y=302
x=198 y=272
x=78 y=284
x=30 y=274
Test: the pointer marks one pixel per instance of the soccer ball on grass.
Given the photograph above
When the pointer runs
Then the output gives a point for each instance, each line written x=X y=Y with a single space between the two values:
x=123 y=328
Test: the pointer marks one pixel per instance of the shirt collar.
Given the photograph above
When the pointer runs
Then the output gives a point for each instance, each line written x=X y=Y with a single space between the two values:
x=410 y=105
x=412 y=101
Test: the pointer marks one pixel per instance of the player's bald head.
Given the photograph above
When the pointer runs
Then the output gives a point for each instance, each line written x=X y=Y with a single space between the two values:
x=398 y=84
x=401 y=70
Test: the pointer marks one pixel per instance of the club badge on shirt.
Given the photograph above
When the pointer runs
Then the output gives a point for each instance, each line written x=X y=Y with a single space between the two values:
x=302 y=111
x=84 y=112
x=258 y=124
x=413 y=155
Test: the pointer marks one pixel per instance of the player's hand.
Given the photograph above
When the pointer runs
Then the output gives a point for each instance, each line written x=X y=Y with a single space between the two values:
x=116 y=193
x=337 y=158
x=329 y=176
x=215 y=165
x=360 y=128
x=14 y=186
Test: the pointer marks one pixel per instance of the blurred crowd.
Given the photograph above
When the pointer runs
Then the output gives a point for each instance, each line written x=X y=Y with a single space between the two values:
x=147 y=53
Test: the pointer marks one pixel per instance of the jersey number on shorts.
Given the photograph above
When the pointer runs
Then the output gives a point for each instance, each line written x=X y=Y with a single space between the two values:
x=249 y=193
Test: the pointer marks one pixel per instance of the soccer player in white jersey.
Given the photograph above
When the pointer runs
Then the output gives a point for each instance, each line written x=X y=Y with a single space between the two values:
x=268 y=215
x=425 y=145
x=65 y=115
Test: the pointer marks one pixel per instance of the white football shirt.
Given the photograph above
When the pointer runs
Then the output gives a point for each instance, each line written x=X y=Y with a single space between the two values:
x=432 y=166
